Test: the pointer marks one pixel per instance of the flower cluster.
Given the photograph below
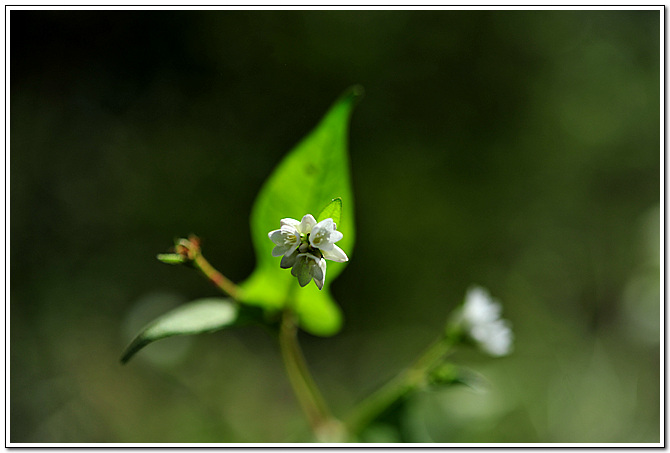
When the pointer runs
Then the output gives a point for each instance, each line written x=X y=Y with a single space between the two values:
x=479 y=318
x=305 y=245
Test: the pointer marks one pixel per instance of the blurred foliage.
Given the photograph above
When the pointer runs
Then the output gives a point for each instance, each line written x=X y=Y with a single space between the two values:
x=518 y=150
x=195 y=317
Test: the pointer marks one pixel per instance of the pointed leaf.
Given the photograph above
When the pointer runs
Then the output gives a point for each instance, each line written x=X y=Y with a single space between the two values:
x=170 y=258
x=333 y=210
x=199 y=316
x=308 y=178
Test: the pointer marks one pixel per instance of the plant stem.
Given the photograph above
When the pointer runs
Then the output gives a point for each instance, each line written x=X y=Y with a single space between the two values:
x=397 y=387
x=215 y=276
x=324 y=426
x=187 y=251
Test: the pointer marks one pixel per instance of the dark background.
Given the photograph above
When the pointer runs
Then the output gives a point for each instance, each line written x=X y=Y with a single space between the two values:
x=518 y=150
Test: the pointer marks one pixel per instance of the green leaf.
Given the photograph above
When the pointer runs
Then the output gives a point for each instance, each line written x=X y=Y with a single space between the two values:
x=333 y=210
x=309 y=177
x=170 y=258
x=199 y=316
x=448 y=374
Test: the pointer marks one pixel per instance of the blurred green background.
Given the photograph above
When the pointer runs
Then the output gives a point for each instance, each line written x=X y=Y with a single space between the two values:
x=518 y=150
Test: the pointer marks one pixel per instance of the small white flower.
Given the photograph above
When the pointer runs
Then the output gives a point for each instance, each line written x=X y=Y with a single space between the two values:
x=479 y=307
x=324 y=236
x=305 y=245
x=286 y=240
x=480 y=319
x=289 y=236
x=308 y=266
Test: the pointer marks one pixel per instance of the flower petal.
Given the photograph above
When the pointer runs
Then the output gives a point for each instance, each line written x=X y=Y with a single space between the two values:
x=324 y=234
x=315 y=268
x=289 y=259
x=276 y=236
x=335 y=254
x=286 y=239
x=301 y=270
x=494 y=337
x=336 y=236
x=479 y=307
x=307 y=223
x=326 y=224
x=480 y=318
x=322 y=245
x=290 y=222
x=279 y=250
x=319 y=282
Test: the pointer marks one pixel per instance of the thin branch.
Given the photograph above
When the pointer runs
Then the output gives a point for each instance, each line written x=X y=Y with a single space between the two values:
x=406 y=381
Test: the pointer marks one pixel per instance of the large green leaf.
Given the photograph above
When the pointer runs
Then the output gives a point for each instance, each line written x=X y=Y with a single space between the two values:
x=199 y=316
x=306 y=181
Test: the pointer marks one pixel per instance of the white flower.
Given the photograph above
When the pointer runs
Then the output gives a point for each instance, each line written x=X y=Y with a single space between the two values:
x=289 y=236
x=308 y=266
x=304 y=245
x=324 y=236
x=480 y=318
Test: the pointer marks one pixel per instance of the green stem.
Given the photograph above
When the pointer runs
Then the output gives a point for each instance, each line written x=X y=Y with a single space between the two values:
x=187 y=251
x=324 y=426
x=215 y=276
x=301 y=380
x=396 y=388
